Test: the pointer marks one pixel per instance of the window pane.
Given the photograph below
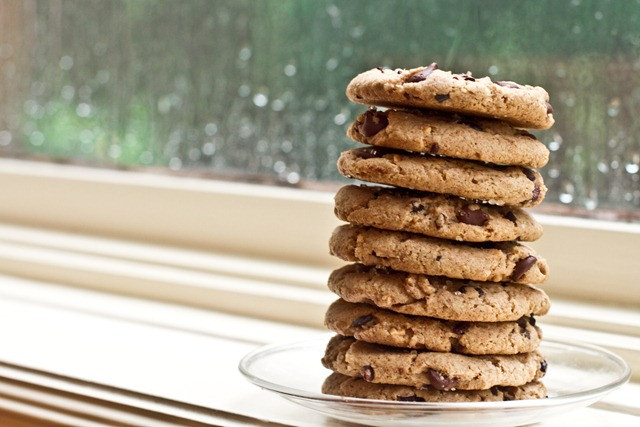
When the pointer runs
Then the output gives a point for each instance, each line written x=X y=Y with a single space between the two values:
x=255 y=89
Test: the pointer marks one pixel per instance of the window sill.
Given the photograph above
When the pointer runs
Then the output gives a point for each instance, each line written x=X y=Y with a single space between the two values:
x=95 y=351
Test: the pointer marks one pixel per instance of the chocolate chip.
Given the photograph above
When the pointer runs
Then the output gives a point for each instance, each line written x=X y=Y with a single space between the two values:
x=406 y=95
x=535 y=193
x=371 y=152
x=434 y=148
x=532 y=320
x=479 y=291
x=439 y=381
x=549 y=109
x=362 y=320
x=472 y=217
x=457 y=347
x=543 y=366
x=367 y=373
x=522 y=266
x=522 y=322
x=409 y=399
x=472 y=124
x=494 y=390
x=417 y=207
x=441 y=97
x=512 y=85
x=380 y=69
x=374 y=122
x=460 y=327
x=422 y=75
x=528 y=173
x=511 y=217
x=509 y=392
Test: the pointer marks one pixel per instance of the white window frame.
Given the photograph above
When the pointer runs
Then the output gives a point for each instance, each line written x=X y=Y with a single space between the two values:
x=590 y=260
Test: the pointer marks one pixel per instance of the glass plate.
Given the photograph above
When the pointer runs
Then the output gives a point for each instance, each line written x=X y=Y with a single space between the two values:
x=578 y=375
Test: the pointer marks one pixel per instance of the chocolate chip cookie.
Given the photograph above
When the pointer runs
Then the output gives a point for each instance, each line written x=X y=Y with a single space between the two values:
x=462 y=137
x=371 y=324
x=342 y=385
x=415 y=253
x=442 y=371
x=433 y=215
x=431 y=88
x=497 y=185
x=438 y=297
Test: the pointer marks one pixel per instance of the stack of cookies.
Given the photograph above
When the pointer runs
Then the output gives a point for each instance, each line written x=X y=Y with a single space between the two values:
x=439 y=304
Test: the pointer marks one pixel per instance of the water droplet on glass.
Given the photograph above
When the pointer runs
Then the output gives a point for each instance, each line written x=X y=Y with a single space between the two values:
x=575 y=2
x=86 y=136
x=632 y=168
x=211 y=129
x=175 y=163
x=83 y=110
x=103 y=76
x=279 y=166
x=357 y=31
x=603 y=167
x=5 y=137
x=164 y=105
x=339 y=119
x=493 y=70
x=36 y=138
x=244 y=54
x=262 y=146
x=37 y=88
x=628 y=197
x=577 y=29
x=246 y=130
x=208 y=149
x=194 y=154
x=115 y=151
x=615 y=164
x=554 y=145
x=333 y=11
x=260 y=100
x=67 y=92
x=565 y=198
x=598 y=15
x=332 y=64
x=146 y=157
x=553 y=173
x=244 y=91
x=613 y=109
x=286 y=146
x=590 y=204
x=66 y=63
x=277 y=105
x=293 y=177
x=290 y=70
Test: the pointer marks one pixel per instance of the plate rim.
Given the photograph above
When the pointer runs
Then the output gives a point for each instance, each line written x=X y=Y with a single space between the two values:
x=442 y=406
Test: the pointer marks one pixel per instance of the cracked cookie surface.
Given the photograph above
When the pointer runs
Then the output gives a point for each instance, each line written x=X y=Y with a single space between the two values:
x=442 y=371
x=438 y=297
x=415 y=253
x=455 y=136
x=342 y=385
x=435 y=215
x=431 y=88
x=371 y=324
x=497 y=185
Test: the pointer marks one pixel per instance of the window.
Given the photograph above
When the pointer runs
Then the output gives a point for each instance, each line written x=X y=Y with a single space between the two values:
x=253 y=90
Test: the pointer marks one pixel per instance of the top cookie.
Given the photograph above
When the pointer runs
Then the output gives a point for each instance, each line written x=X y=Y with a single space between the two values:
x=450 y=135
x=431 y=88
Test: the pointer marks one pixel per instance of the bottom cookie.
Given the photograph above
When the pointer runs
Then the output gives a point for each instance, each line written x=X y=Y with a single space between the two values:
x=342 y=385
